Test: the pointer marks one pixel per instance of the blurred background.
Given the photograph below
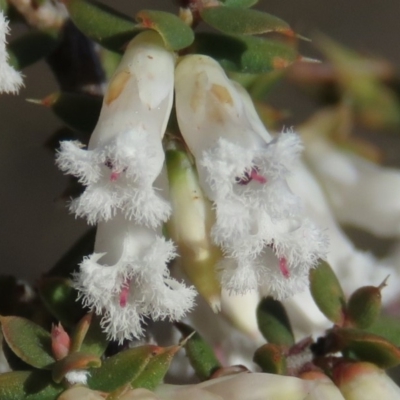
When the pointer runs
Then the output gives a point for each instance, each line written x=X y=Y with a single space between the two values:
x=36 y=228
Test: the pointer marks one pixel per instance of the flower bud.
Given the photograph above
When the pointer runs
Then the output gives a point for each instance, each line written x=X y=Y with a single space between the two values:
x=190 y=226
x=60 y=342
x=364 y=381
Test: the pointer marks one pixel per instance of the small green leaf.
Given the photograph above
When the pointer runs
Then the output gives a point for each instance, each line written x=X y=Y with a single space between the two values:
x=327 y=292
x=28 y=341
x=154 y=372
x=364 y=306
x=365 y=346
x=30 y=48
x=95 y=340
x=271 y=359
x=122 y=368
x=175 y=33
x=236 y=21
x=72 y=362
x=200 y=353
x=60 y=298
x=239 y=3
x=274 y=323
x=102 y=24
x=246 y=54
x=28 y=385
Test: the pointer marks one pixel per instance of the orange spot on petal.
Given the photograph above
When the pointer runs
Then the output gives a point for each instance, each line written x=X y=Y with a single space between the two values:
x=116 y=86
x=222 y=94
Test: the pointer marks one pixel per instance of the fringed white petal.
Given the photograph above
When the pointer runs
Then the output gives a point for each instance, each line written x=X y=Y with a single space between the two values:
x=118 y=176
x=142 y=272
x=10 y=79
x=73 y=159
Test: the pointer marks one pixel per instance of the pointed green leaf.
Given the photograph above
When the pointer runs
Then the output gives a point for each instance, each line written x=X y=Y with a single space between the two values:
x=28 y=341
x=72 y=362
x=94 y=340
x=327 y=292
x=122 y=368
x=271 y=359
x=200 y=353
x=60 y=298
x=239 y=3
x=28 y=385
x=246 y=54
x=274 y=323
x=364 y=306
x=30 y=48
x=365 y=346
x=101 y=23
x=236 y=21
x=154 y=372
x=175 y=33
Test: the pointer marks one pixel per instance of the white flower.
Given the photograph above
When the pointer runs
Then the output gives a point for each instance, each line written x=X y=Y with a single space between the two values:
x=127 y=279
x=125 y=153
x=10 y=79
x=260 y=225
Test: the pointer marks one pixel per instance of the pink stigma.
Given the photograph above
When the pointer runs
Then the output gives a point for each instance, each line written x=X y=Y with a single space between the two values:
x=123 y=296
x=284 y=267
x=114 y=176
x=257 y=177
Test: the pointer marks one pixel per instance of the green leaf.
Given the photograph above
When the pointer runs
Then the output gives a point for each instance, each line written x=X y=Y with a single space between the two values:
x=28 y=385
x=79 y=112
x=246 y=54
x=102 y=24
x=175 y=33
x=60 y=298
x=94 y=340
x=72 y=362
x=28 y=341
x=239 y=3
x=327 y=292
x=271 y=359
x=122 y=368
x=200 y=353
x=364 y=306
x=364 y=346
x=387 y=327
x=4 y=6
x=30 y=48
x=274 y=323
x=154 y=372
x=236 y=21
